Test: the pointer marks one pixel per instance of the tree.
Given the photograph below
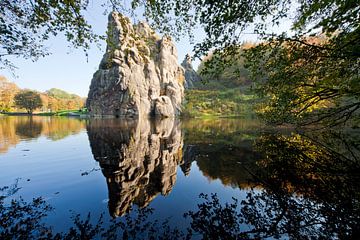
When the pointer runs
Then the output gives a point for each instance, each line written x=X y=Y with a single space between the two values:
x=30 y=100
x=7 y=92
x=233 y=75
x=308 y=80
x=26 y=25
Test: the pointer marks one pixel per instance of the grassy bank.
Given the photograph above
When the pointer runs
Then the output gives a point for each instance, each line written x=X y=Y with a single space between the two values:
x=70 y=112
x=219 y=103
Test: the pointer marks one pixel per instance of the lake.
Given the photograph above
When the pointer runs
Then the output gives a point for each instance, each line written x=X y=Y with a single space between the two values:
x=277 y=182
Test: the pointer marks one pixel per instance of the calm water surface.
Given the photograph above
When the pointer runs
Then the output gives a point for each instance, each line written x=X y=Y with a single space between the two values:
x=113 y=167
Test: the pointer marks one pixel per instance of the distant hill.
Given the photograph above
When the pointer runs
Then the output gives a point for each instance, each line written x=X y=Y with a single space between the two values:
x=61 y=94
x=53 y=99
x=56 y=99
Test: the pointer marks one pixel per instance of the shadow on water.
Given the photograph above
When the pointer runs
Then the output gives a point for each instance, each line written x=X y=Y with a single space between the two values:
x=298 y=185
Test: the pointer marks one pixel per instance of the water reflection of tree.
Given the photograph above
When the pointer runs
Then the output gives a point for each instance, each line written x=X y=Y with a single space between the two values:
x=221 y=148
x=311 y=185
x=228 y=163
x=28 y=129
x=57 y=128
x=223 y=131
x=309 y=189
x=300 y=186
x=139 y=159
x=8 y=136
x=13 y=129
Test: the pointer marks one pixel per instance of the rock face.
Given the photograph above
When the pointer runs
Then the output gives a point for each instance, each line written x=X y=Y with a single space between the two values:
x=191 y=76
x=138 y=158
x=163 y=107
x=138 y=70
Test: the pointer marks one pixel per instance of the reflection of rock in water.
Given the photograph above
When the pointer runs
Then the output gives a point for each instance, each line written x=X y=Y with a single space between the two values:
x=189 y=156
x=138 y=158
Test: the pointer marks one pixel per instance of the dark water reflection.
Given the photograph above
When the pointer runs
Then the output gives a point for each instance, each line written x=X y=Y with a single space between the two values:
x=287 y=184
x=310 y=186
x=139 y=159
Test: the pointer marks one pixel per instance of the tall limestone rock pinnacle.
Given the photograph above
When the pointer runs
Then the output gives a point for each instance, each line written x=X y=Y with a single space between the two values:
x=138 y=76
x=191 y=76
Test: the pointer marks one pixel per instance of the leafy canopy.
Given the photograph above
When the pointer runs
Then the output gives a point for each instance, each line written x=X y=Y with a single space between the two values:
x=7 y=93
x=26 y=25
x=312 y=80
x=30 y=100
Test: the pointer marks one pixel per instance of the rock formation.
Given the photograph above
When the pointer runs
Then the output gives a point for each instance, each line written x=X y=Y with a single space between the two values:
x=138 y=76
x=139 y=159
x=191 y=76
